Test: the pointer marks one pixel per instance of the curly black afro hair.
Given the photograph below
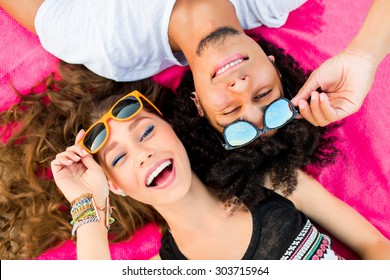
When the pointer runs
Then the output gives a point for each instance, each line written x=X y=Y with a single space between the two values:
x=241 y=173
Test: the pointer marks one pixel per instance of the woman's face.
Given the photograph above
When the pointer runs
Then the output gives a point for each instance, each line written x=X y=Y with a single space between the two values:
x=144 y=158
x=234 y=79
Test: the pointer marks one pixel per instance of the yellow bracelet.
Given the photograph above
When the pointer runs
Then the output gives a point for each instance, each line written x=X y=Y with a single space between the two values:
x=87 y=211
x=77 y=199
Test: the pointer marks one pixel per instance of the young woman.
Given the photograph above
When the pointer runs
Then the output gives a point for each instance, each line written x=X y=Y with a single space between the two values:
x=35 y=215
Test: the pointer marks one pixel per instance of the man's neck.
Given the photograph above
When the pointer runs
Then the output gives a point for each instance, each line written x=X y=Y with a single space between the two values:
x=192 y=20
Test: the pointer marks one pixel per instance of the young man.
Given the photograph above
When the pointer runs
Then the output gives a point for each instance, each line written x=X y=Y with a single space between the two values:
x=132 y=40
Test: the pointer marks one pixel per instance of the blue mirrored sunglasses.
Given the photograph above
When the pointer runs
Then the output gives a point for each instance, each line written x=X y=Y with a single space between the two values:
x=241 y=132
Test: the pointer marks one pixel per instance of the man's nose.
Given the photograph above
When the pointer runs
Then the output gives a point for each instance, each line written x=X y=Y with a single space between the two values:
x=255 y=115
x=240 y=85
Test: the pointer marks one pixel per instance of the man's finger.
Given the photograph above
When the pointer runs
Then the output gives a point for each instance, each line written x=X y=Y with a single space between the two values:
x=305 y=92
x=327 y=109
x=306 y=113
x=316 y=110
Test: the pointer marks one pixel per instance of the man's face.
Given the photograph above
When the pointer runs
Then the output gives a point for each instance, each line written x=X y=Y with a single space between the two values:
x=234 y=79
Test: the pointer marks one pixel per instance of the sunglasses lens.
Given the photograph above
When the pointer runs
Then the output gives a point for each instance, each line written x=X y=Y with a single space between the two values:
x=239 y=133
x=95 y=137
x=126 y=108
x=278 y=113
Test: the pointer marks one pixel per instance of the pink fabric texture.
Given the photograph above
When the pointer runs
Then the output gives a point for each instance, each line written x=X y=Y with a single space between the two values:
x=314 y=32
x=144 y=245
x=23 y=62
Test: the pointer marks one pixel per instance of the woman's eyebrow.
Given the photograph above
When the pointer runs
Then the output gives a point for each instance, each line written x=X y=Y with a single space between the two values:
x=113 y=144
x=134 y=124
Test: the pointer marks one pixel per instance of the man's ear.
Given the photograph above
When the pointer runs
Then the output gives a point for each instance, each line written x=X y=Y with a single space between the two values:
x=272 y=59
x=195 y=98
x=112 y=187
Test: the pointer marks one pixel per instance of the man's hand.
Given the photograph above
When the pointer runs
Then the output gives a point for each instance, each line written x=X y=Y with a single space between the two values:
x=345 y=81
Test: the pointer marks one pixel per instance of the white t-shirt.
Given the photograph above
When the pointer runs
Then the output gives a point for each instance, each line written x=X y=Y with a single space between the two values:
x=127 y=40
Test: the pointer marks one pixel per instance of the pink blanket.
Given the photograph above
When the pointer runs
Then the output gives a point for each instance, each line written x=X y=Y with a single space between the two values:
x=314 y=32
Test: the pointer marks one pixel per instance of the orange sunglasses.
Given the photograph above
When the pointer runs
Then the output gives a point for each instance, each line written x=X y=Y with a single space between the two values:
x=123 y=110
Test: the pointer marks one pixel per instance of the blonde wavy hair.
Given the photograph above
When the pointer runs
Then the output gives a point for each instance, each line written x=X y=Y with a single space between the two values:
x=34 y=213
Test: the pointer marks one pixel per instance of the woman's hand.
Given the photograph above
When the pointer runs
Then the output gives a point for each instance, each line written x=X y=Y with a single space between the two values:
x=76 y=172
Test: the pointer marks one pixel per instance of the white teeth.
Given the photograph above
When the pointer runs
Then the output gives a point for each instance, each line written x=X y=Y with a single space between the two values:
x=157 y=171
x=227 y=66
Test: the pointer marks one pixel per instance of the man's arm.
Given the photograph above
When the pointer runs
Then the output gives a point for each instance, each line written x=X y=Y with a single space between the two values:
x=347 y=77
x=23 y=11
x=374 y=35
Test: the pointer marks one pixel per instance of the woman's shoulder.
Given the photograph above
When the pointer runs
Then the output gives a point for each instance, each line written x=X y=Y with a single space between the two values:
x=277 y=213
x=274 y=200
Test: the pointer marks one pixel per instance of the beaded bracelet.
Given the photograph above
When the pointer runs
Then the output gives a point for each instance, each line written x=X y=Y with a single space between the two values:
x=84 y=210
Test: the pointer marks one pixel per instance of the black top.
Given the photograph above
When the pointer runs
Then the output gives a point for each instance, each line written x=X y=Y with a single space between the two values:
x=276 y=224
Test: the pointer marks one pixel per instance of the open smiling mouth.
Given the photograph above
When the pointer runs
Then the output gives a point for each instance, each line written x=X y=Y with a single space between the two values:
x=229 y=65
x=160 y=174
